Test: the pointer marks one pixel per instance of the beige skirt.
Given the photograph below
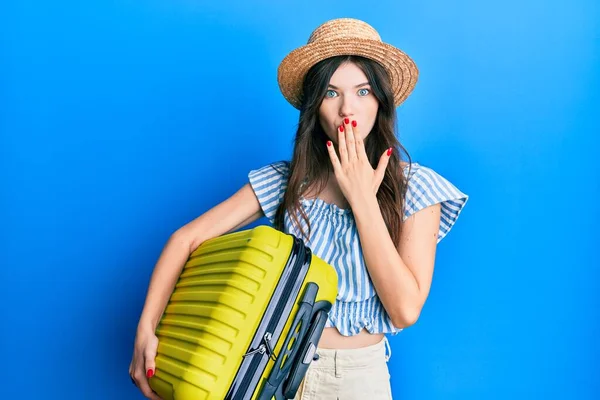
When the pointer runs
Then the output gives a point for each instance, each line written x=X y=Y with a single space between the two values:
x=348 y=374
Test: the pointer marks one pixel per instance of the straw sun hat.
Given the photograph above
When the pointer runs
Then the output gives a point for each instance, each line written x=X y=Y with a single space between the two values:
x=346 y=36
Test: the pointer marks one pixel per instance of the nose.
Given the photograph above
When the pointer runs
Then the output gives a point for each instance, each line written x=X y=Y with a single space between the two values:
x=346 y=107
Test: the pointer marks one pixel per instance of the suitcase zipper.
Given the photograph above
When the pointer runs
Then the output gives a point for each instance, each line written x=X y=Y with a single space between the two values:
x=300 y=260
x=264 y=348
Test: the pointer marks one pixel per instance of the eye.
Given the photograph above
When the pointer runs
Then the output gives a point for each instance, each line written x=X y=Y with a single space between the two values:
x=330 y=93
x=364 y=92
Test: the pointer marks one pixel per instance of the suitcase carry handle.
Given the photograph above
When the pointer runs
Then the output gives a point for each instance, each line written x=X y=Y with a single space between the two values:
x=302 y=318
x=307 y=353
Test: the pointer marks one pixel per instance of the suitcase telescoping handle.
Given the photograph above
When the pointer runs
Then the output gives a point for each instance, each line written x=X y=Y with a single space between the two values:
x=307 y=352
x=296 y=332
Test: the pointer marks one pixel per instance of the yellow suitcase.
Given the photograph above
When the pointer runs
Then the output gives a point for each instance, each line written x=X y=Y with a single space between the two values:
x=244 y=319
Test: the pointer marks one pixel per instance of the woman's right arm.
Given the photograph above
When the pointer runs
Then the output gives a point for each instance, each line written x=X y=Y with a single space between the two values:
x=237 y=211
x=240 y=209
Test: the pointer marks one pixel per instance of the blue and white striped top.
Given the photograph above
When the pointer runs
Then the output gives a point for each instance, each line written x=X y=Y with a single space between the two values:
x=334 y=238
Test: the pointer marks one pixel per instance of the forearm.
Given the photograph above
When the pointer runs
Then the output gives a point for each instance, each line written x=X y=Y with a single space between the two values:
x=394 y=282
x=164 y=277
x=240 y=209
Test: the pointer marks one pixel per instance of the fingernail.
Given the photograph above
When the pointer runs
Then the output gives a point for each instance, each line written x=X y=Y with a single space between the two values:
x=354 y=124
x=150 y=373
x=329 y=143
x=347 y=120
x=341 y=128
x=389 y=153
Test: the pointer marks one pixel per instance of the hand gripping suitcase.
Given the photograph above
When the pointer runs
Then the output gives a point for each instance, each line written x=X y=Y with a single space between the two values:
x=244 y=319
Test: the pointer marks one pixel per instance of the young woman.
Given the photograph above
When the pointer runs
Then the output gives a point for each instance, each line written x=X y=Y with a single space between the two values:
x=373 y=216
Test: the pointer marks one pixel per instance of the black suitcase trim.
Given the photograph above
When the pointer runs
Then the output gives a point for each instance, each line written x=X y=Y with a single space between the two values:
x=293 y=362
x=271 y=326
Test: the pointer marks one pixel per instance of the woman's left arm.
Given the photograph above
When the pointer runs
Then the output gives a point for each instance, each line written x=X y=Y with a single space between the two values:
x=402 y=272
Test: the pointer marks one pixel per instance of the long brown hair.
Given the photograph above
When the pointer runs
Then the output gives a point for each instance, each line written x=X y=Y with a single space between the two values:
x=310 y=165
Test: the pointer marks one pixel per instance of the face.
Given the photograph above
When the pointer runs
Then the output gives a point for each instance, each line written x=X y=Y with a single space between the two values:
x=349 y=95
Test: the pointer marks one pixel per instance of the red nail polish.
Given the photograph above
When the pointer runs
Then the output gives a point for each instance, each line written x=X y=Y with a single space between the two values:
x=346 y=120
x=329 y=143
x=341 y=128
x=354 y=124
x=150 y=373
x=389 y=153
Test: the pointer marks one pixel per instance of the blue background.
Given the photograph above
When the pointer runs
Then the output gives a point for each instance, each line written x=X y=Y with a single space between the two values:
x=121 y=121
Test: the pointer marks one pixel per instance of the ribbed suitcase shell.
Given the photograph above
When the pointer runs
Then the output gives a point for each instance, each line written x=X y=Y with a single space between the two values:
x=216 y=307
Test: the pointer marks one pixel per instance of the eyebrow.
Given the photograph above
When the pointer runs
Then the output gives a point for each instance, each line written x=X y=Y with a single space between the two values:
x=357 y=86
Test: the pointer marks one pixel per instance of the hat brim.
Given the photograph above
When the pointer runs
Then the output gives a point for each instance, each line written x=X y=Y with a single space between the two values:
x=400 y=67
